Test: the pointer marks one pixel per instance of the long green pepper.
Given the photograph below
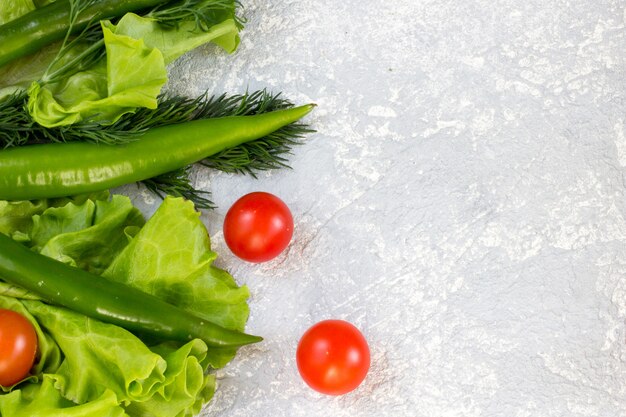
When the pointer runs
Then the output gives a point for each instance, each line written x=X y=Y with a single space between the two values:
x=62 y=169
x=108 y=301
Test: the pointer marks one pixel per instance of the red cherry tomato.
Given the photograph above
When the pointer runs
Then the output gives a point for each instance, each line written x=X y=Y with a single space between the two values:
x=333 y=357
x=258 y=227
x=18 y=346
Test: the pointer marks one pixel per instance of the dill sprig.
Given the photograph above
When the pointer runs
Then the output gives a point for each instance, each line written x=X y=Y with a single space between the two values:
x=266 y=153
x=71 y=59
x=16 y=125
x=263 y=154
x=270 y=152
x=178 y=184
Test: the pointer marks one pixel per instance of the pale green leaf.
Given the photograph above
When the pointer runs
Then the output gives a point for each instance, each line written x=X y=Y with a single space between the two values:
x=87 y=366
x=171 y=258
x=12 y=9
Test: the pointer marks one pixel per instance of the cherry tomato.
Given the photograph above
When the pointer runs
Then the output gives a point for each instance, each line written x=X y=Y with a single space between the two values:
x=18 y=346
x=258 y=227
x=333 y=357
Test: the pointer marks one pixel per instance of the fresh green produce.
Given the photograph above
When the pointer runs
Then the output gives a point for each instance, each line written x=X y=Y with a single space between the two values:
x=56 y=170
x=130 y=317
x=109 y=301
x=101 y=83
x=333 y=357
x=129 y=75
x=89 y=368
x=267 y=152
x=110 y=67
x=258 y=227
x=18 y=346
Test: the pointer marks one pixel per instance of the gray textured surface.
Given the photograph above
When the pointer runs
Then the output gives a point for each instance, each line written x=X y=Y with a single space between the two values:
x=463 y=203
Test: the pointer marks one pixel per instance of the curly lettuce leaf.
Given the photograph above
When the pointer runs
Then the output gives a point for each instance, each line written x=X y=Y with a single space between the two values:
x=45 y=400
x=89 y=236
x=173 y=43
x=12 y=9
x=171 y=258
x=101 y=357
x=13 y=291
x=186 y=388
x=131 y=75
x=90 y=368
x=16 y=217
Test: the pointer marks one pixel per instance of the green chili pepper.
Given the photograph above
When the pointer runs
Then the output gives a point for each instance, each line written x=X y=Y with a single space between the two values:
x=108 y=301
x=62 y=169
x=34 y=30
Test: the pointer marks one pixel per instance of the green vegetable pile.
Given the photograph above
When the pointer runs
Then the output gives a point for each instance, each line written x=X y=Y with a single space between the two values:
x=90 y=368
x=87 y=67
x=92 y=71
x=131 y=316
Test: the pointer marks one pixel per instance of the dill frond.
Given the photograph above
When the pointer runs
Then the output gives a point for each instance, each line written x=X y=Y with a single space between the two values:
x=15 y=122
x=178 y=184
x=266 y=153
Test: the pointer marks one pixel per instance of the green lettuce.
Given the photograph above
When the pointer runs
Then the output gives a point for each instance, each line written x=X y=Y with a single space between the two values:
x=185 y=276
x=87 y=235
x=89 y=368
x=138 y=49
x=44 y=399
x=12 y=9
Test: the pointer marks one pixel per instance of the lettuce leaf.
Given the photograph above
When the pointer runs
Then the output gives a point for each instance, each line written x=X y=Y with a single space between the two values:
x=171 y=258
x=131 y=75
x=12 y=9
x=45 y=400
x=90 y=368
x=89 y=236
x=175 y=43
x=17 y=217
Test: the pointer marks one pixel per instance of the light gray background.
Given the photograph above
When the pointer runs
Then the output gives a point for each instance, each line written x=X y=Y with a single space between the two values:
x=463 y=203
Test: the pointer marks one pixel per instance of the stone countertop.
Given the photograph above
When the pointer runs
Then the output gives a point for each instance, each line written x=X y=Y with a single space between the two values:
x=462 y=202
